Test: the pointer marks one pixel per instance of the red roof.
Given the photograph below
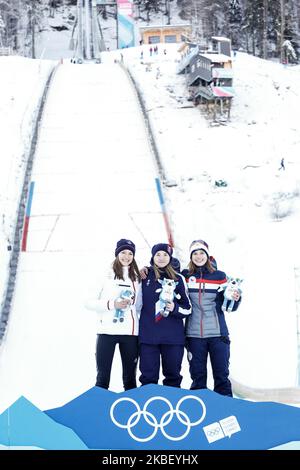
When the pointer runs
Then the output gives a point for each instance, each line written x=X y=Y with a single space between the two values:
x=222 y=91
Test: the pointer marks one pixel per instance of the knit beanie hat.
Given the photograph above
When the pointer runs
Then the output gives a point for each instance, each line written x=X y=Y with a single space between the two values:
x=124 y=244
x=199 y=245
x=161 y=247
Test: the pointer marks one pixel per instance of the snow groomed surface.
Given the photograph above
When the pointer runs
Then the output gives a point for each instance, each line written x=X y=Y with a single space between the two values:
x=94 y=183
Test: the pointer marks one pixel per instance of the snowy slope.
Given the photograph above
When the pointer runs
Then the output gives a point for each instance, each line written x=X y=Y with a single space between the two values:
x=22 y=83
x=94 y=181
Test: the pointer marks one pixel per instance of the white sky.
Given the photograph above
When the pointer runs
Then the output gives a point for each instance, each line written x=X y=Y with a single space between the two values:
x=94 y=183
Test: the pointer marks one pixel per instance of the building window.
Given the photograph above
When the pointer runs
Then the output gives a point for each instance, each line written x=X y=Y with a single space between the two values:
x=153 y=39
x=170 y=38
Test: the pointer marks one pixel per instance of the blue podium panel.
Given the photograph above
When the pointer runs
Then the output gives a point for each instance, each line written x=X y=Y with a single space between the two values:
x=151 y=417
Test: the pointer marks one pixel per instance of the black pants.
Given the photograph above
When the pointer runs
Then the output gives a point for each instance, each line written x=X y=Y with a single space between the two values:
x=171 y=358
x=105 y=350
x=218 y=349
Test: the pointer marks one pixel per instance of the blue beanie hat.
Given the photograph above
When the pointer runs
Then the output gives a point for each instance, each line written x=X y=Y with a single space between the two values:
x=124 y=244
x=161 y=247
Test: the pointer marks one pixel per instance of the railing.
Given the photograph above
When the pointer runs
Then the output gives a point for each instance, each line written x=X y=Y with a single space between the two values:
x=288 y=395
x=297 y=303
x=218 y=72
x=17 y=237
x=205 y=91
x=186 y=60
x=5 y=51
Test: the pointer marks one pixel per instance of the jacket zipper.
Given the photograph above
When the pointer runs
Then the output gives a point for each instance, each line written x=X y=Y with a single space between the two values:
x=200 y=306
x=132 y=317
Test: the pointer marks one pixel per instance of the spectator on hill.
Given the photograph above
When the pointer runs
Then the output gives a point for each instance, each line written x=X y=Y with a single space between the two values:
x=282 y=166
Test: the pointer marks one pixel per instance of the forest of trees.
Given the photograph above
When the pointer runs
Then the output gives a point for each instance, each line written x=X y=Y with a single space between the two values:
x=22 y=20
x=19 y=23
x=265 y=28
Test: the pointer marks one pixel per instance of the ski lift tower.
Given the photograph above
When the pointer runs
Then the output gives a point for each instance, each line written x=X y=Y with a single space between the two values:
x=79 y=48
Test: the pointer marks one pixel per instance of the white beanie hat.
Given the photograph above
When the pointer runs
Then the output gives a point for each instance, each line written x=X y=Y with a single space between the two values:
x=199 y=245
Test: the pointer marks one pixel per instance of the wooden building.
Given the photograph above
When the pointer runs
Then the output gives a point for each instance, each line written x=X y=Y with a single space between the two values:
x=164 y=33
x=209 y=74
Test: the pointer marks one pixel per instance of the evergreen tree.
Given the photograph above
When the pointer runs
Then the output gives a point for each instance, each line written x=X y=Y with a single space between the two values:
x=291 y=31
x=2 y=30
x=253 y=25
x=10 y=15
x=234 y=22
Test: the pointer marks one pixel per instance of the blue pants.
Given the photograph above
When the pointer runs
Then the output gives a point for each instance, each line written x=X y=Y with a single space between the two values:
x=105 y=351
x=171 y=359
x=218 y=349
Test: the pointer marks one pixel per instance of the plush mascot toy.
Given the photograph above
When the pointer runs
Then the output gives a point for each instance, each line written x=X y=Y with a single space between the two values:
x=120 y=312
x=232 y=284
x=167 y=294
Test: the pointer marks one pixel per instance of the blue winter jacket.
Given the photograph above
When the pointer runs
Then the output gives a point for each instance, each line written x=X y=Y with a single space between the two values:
x=169 y=330
x=207 y=319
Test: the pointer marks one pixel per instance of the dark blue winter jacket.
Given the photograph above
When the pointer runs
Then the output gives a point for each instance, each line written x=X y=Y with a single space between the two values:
x=169 y=330
x=207 y=319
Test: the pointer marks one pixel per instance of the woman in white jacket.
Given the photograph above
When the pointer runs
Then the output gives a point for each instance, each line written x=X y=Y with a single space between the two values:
x=118 y=318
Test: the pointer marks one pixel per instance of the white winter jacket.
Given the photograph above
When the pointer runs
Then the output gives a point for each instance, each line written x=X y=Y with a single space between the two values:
x=104 y=306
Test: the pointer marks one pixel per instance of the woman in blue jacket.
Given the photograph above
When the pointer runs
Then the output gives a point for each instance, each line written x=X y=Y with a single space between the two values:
x=206 y=328
x=161 y=334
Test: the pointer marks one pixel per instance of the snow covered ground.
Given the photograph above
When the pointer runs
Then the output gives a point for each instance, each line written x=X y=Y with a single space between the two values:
x=22 y=83
x=94 y=183
x=82 y=170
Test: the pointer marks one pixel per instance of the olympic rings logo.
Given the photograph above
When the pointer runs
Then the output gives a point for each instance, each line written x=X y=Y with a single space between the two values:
x=166 y=418
x=214 y=432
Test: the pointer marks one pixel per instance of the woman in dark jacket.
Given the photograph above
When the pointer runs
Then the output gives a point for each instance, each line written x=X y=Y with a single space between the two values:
x=161 y=334
x=206 y=328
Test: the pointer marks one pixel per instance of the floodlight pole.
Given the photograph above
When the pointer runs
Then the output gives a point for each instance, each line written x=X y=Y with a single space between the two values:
x=79 y=16
x=117 y=25
x=282 y=28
